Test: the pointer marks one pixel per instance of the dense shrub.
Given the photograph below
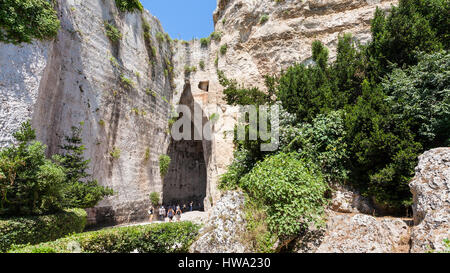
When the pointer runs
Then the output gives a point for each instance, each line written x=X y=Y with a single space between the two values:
x=323 y=142
x=414 y=25
x=155 y=238
x=223 y=49
x=154 y=198
x=204 y=42
x=307 y=90
x=37 y=229
x=421 y=95
x=383 y=152
x=129 y=5
x=29 y=182
x=291 y=189
x=24 y=20
x=238 y=95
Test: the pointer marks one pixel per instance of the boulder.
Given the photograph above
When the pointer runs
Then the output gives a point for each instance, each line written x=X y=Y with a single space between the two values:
x=431 y=194
x=359 y=233
x=347 y=200
x=224 y=228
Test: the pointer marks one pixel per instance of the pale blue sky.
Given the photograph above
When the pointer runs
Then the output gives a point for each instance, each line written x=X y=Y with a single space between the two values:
x=184 y=19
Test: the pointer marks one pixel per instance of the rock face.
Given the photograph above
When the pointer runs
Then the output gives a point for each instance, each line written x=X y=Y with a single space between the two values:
x=255 y=48
x=359 y=233
x=224 y=228
x=81 y=77
x=347 y=200
x=431 y=194
x=124 y=93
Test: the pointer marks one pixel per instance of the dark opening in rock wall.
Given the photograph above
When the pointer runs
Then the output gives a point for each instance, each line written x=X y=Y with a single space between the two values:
x=204 y=86
x=186 y=179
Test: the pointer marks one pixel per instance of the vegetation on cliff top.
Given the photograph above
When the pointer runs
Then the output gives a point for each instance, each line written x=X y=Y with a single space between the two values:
x=21 y=21
x=129 y=5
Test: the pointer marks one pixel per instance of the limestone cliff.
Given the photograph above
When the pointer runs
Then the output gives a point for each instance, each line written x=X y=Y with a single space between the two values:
x=123 y=91
x=256 y=47
x=81 y=76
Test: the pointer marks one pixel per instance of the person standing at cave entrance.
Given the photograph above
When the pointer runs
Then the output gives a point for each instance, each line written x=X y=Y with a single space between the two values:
x=151 y=211
x=191 y=206
x=170 y=214
x=162 y=213
x=178 y=213
x=184 y=208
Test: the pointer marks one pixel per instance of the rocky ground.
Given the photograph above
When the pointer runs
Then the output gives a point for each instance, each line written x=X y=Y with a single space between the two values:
x=351 y=226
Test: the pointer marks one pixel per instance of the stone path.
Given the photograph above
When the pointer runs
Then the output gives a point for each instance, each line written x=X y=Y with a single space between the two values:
x=192 y=216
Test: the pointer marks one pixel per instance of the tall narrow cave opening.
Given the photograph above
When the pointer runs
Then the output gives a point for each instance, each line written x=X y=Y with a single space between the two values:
x=186 y=180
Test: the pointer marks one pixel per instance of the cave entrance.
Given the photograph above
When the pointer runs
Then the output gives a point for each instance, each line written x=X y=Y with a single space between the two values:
x=187 y=177
x=204 y=85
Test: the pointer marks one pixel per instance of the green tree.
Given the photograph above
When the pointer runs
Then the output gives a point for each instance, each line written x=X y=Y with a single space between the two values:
x=81 y=191
x=308 y=90
x=421 y=95
x=29 y=183
x=414 y=25
x=383 y=150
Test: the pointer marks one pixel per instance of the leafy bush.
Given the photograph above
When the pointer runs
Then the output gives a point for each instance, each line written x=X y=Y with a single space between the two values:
x=25 y=20
x=216 y=36
x=322 y=142
x=37 y=229
x=164 y=162
x=155 y=238
x=202 y=65
x=291 y=189
x=29 y=182
x=115 y=153
x=236 y=95
x=421 y=95
x=129 y=5
x=204 y=42
x=160 y=36
x=154 y=198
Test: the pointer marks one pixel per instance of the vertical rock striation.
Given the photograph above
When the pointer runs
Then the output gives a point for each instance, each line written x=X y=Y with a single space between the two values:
x=118 y=89
x=123 y=90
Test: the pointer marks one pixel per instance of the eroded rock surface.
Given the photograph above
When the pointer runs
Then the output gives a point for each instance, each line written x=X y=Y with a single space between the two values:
x=431 y=194
x=224 y=228
x=359 y=233
x=347 y=200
